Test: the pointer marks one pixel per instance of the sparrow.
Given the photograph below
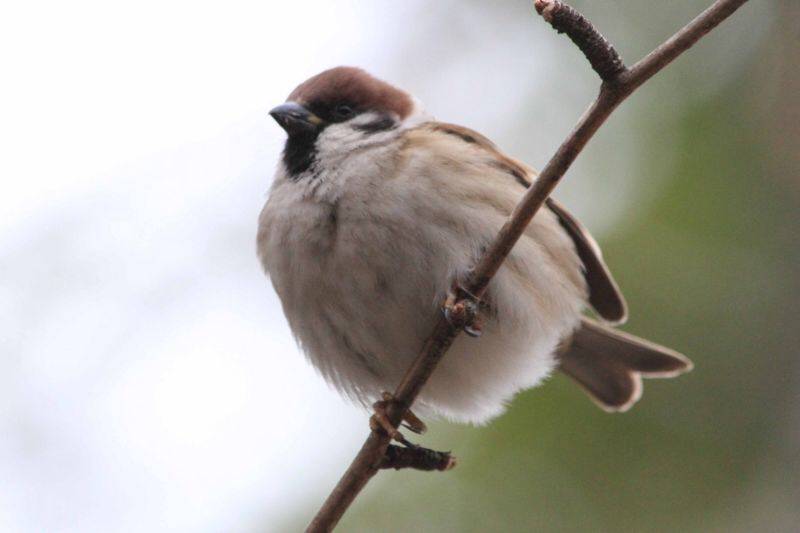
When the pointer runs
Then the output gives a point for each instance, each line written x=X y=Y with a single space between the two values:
x=376 y=210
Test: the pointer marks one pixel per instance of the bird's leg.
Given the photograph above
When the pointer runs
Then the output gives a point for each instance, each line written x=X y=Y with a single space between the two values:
x=380 y=421
x=463 y=309
x=410 y=420
x=411 y=455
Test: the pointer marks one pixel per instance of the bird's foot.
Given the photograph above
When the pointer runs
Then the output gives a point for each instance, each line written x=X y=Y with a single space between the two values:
x=409 y=455
x=380 y=421
x=463 y=310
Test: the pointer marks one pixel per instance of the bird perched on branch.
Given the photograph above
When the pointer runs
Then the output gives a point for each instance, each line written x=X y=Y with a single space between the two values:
x=375 y=214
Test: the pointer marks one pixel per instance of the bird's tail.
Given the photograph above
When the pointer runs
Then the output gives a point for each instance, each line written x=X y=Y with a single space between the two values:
x=610 y=364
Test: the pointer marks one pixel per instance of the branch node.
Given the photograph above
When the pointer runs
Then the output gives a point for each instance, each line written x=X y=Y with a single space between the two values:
x=565 y=19
x=418 y=458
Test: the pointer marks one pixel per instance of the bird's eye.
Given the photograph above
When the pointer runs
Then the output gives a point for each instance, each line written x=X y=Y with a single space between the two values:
x=344 y=111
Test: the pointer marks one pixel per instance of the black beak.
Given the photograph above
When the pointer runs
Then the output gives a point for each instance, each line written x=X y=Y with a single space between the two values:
x=295 y=119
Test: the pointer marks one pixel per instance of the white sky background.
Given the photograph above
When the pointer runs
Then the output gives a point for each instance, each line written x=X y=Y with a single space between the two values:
x=148 y=380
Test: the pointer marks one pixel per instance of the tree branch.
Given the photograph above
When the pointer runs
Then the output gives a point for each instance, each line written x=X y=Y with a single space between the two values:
x=564 y=19
x=418 y=458
x=618 y=82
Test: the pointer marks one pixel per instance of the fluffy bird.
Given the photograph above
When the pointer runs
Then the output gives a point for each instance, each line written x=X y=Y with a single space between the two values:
x=376 y=210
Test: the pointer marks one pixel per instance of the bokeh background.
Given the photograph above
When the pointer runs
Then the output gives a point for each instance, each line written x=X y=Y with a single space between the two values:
x=148 y=380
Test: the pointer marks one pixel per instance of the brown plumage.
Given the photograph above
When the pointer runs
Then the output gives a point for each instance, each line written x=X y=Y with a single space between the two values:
x=604 y=294
x=610 y=364
x=355 y=87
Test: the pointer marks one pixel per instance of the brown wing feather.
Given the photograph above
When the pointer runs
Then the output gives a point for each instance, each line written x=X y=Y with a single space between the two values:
x=464 y=133
x=513 y=167
x=604 y=294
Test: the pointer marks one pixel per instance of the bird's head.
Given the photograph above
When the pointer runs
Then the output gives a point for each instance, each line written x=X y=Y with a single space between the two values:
x=338 y=111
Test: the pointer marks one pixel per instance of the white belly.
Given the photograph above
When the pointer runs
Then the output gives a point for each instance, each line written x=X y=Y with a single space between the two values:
x=361 y=277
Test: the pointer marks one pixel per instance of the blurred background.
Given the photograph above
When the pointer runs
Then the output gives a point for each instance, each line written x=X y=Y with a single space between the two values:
x=148 y=379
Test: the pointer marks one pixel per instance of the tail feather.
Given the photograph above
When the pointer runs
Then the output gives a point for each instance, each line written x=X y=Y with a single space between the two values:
x=610 y=364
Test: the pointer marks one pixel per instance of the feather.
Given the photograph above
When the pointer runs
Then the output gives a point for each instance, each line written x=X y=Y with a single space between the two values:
x=604 y=294
x=610 y=364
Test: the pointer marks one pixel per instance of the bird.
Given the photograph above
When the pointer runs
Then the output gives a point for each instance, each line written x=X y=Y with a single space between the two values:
x=377 y=210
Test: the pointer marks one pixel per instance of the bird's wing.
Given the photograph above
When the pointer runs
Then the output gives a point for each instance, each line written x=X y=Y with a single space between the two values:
x=604 y=294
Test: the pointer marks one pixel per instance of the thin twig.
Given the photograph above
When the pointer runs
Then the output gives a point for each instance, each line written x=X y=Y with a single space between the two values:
x=600 y=53
x=618 y=84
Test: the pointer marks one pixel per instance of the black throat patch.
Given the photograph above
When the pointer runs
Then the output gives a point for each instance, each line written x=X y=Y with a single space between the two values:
x=299 y=153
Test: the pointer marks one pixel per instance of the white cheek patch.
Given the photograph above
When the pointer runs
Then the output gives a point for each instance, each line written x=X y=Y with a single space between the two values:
x=372 y=122
x=338 y=141
x=340 y=145
x=368 y=129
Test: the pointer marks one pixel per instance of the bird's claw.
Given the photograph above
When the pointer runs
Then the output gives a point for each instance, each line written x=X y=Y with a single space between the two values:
x=380 y=421
x=462 y=309
x=475 y=328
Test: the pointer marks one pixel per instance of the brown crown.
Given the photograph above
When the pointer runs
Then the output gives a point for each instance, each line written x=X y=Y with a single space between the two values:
x=353 y=86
